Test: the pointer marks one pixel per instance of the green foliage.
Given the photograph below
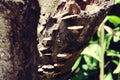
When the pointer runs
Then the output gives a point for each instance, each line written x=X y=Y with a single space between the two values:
x=114 y=19
x=93 y=50
x=91 y=58
x=76 y=63
x=108 y=76
x=113 y=53
x=117 y=1
x=117 y=70
x=116 y=38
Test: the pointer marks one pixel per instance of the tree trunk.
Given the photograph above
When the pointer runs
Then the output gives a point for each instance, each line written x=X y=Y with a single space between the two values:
x=66 y=27
x=18 y=39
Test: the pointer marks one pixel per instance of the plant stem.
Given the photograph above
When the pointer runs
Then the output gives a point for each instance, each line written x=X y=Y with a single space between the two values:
x=102 y=50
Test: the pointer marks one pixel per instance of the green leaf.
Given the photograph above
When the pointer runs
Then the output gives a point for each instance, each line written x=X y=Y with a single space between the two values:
x=93 y=51
x=114 y=19
x=117 y=1
x=116 y=38
x=108 y=76
x=115 y=62
x=75 y=66
x=85 y=66
x=91 y=63
x=113 y=53
x=117 y=70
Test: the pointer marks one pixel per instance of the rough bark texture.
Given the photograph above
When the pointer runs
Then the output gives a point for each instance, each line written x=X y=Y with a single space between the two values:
x=5 y=62
x=18 y=39
x=65 y=31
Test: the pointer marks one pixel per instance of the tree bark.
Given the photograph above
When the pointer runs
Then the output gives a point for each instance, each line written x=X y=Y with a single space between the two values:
x=18 y=39
x=66 y=27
